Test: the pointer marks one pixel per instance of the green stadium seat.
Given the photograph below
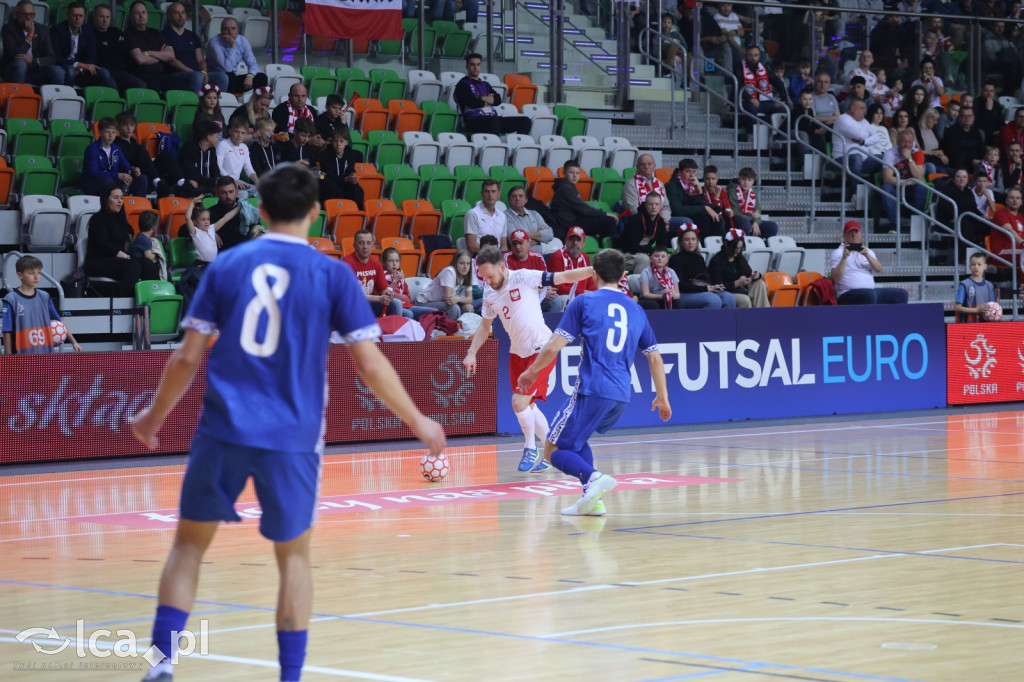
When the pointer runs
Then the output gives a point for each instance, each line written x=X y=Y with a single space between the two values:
x=437 y=184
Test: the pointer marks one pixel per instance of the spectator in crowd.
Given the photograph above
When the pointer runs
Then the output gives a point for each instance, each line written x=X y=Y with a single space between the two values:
x=256 y=108
x=852 y=139
x=943 y=47
x=393 y=273
x=104 y=165
x=894 y=97
x=695 y=288
x=154 y=60
x=756 y=94
x=671 y=54
x=209 y=108
x=916 y=102
x=853 y=268
x=746 y=204
x=1012 y=131
x=203 y=231
x=445 y=9
x=947 y=118
x=106 y=254
x=659 y=284
x=777 y=78
x=975 y=291
x=226 y=52
x=801 y=79
x=1013 y=165
x=1000 y=55
x=714 y=42
x=983 y=196
x=961 y=195
x=371 y=276
x=137 y=155
x=330 y=120
x=889 y=37
x=729 y=268
x=932 y=84
x=338 y=170
x=110 y=50
x=642 y=233
x=858 y=90
x=571 y=257
x=297 y=107
x=731 y=25
x=816 y=136
x=477 y=102
x=963 y=143
x=188 y=50
x=451 y=291
x=28 y=52
x=233 y=158
x=935 y=159
x=909 y=164
x=991 y=169
x=988 y=113
x=142 y=246
x=900 y=122
x=262 y=150
x=237 y=229
x=687 y=200
x=718 y=199
x=520 y=257
x=74 y=48
x=486 y=218
x=826 y=106
x=684 y=17
x=519 y=217
x=570 y=209
x=1011 y=220
x=299 y=149
x=862 y=70
x=198 y=160
x=876 y=117
x=643 y=183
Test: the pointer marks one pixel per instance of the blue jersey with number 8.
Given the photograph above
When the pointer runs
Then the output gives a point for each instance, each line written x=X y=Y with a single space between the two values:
x=274 y=301
x=613 y=326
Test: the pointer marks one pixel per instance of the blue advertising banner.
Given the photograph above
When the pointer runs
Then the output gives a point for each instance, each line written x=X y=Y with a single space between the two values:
x=766 y=363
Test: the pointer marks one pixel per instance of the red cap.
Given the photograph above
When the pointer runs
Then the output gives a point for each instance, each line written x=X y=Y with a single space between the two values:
x=576 y=231
x=519 y=236
x=690 y=4
x=851 y=225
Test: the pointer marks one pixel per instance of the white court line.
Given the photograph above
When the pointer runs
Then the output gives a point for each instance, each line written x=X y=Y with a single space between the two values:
x=258 y=662
x=890 y=621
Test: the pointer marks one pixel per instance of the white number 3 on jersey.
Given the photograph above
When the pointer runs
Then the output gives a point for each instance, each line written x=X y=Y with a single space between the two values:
x=265 y=300
x=617 y=335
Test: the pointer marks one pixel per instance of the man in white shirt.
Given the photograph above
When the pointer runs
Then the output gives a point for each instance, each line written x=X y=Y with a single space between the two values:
x=485 y=218
x=852 y=137
x=854 y=267
x=863 y=69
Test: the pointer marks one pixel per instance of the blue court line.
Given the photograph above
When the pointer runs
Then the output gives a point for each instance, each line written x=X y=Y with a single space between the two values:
x=443 y=628
x=146 y=620
x=818 y=511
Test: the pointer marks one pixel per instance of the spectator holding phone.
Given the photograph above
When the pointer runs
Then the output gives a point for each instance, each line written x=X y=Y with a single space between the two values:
x=854 y=267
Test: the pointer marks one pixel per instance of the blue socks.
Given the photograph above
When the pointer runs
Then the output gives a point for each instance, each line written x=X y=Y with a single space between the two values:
x=168 y=619
x=291 y=653
x=580 y=465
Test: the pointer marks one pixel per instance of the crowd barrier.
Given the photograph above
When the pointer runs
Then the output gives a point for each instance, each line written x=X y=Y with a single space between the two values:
x=986 y=362
x=74 y=405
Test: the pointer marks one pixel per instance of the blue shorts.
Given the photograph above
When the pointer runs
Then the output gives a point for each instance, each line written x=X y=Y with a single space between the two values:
x=580 y=417
x=286 y=485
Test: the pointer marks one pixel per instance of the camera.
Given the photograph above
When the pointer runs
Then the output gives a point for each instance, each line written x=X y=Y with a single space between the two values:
x=855 y=247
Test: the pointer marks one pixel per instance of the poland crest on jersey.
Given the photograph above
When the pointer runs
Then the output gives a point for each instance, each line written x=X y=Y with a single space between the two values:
x=514 y=294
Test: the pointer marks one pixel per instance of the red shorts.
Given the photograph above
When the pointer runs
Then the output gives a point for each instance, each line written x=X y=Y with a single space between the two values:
x=518 y=365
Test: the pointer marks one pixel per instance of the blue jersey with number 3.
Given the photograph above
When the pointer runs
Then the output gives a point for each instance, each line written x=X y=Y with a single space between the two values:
x=275 y=301
x=613 y=326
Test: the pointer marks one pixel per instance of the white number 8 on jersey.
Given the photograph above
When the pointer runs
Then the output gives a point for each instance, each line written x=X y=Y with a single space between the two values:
x=266 y=299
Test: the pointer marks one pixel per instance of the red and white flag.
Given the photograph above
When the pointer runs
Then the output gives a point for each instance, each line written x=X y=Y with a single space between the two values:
x=365 y=19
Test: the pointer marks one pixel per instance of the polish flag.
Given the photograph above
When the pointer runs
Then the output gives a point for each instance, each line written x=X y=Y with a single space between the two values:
x=361 y=19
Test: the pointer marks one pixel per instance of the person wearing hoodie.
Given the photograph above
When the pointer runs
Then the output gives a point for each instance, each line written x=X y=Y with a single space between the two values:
x=570 y=209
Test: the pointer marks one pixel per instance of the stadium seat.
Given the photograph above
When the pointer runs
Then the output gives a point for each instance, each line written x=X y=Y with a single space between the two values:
x=507 y=177
x=438 y=260
x=69 y=169
x=405 y=116
x=19 y=100
x=46 y=225
x=452 y=41
x=62 y=102
x=416 y=285
x=570 y=121
x=257 y=31
x=385 y=148
x=133 y=208
x=357 y=142
x=35 y=175
x=172 y=215
x=523 y=151
x=81 y=208
x=437 y=183
x=421 y=149
x=354 y=83
x=620 y=153
x=370 y=114
x=543 y=122
x=147 y=135
x=411 y=256
x=539 y=182
x=401 y=183
x=490 y=150
x=429 y=41
x=421 y=218
x=147 y=105
x=803 y=279
x=789 y=257
x=182 y=253
x=387 y=85
x=101 y=102
x=322 y=86
x=423 y=87
x=26 y=136
x=782 y=292
x=371 y=182
x=458 y=151
x=608 y=185
x=440 y=118
x=281 y=76
x=556 y=151
x=471 y=180
x=454 y=213
x=384 y=219
x=588 y=150
x=521 y=90
x=311 y=71
x=160 y=322
x=325 y=246
x=344 y=219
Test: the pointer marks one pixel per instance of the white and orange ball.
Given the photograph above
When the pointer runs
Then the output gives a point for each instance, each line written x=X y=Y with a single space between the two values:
x=992 y=312
x=58 y=331
x=434 y=468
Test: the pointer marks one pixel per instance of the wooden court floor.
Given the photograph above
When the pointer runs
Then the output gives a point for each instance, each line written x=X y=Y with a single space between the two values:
x=864 y=550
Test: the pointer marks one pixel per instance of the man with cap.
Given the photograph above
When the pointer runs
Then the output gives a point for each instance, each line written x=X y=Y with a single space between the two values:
x=854 y=267
x=518 y=217
x=571 y=257
x=225 y=53
x=522 y=258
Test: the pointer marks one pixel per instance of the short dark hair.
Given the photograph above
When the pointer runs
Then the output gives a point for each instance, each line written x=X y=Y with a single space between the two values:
x=658 y=248
x=488 y=240
x=287 y=193
x=473 y=55
x=342 y=133
x=926 y=60
x=686 y=164
x=304 y=125
x=106 y=122
x=979 y=254
x=334 y=99
x=570 y=164
x=77 y=4
x=224 y=181
x=858 y=80
x=148 y=221
x=488 y=182
x=747 y=173
x=125 y=118
x=609 y=264
x=517 y=188
x=489 y=254
x=710 y=169
x=204 y=128
x=238 y=122
x=28 y=263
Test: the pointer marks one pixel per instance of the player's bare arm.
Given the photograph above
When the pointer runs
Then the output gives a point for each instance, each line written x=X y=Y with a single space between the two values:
x=479 y=336
x=570 y=276
x=545 y=357
x=178 y=374
x=660 y=403
x=377 y=373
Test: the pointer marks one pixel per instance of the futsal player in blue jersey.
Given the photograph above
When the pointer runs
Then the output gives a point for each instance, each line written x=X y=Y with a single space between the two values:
x=274 y=302
x=613 y=327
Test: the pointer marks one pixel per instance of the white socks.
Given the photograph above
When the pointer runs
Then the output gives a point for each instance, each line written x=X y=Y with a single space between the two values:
x=540 y=423
x=526 y=422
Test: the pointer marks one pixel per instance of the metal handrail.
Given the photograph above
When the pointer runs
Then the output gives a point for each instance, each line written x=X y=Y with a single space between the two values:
x=933 y=222
x=697 y=59
x=648 y=32
x=1014 y=261
x=42 y=273
x=785 y=133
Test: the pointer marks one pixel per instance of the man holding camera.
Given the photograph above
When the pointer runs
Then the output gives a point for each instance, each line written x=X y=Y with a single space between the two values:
x=854 y=267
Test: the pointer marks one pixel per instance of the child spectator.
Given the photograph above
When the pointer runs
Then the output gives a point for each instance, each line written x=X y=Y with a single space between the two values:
x=975 y=291
x=198 y=160
x=298 y=149
x=263 y=153
x=137 y=155
x=989 y=166
x=27 y=312
x=983 y=195
x=718 y=199
x=745 y=203
x=671 y=54
x=209 y=108
x=203 y=233
x=104 y=165
x=338 y=169
x=451 y=291
x=233 y=157
x=392 y=262
x=777 y=77
x=142 y=246
x=894 y=100
x=817 y=137
x=330 y=121
x=659 y=284
x=801 y=80
x=858 y=88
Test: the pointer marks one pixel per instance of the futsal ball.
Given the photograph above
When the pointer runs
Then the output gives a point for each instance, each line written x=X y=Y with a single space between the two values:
x=58 y=331
x=434 y=468
x=992 y=312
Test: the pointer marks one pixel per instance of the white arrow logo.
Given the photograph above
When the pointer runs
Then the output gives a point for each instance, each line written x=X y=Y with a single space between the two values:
x=50 y=634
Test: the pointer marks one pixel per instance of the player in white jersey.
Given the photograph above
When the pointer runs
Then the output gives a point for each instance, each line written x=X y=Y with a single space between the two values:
x=513 y=297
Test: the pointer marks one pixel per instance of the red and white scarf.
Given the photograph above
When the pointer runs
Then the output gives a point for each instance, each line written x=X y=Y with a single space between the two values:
x=580 y=262
x=757 y=80
x=719 y=200
x=645 y=187
x=748 y=203
x=895 y=100
x=294 y=116
x=688 y=188
x=400 y=287
x=665 y=280
x=990 y=171
x=624 y=286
